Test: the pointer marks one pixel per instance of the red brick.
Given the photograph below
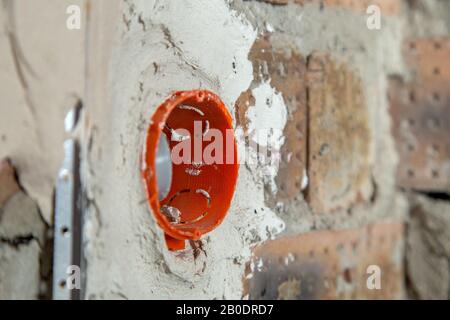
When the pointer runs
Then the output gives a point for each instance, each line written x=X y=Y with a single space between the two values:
x=339 y=138
x=420 y=111
x=329 y=264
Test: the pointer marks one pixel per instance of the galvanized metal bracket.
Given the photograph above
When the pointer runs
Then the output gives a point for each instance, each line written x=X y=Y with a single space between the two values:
x=67 y=257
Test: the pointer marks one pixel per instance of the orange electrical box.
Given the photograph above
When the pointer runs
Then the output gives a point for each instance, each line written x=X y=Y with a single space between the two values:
x=190 y=165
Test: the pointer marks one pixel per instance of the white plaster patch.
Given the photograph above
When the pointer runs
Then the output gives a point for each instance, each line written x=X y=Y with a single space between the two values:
x=269 y=27
x=266 y=122
x=268 y=114
x=305 y=180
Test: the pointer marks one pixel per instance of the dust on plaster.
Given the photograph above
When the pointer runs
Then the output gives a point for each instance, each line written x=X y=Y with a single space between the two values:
x=266 y=121
x=163 y=47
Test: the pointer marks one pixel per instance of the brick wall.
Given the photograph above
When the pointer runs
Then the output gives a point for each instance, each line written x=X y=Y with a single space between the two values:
x=336 y=136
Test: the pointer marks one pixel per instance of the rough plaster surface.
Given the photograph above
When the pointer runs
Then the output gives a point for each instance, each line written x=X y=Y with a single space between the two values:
x=22 y=237
x=158 y=48
x=19 y=272
x=428 y=248
x=41 y=76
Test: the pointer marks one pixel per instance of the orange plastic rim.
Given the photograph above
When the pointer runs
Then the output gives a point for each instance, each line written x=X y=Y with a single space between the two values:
x=199 y=214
